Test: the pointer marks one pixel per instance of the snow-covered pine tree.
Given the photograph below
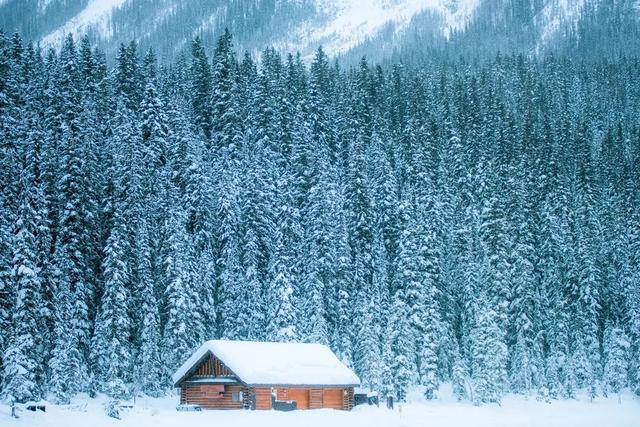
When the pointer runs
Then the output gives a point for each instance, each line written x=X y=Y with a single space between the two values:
x=313 y=174
x=387 y=377
x=38 y=155
x=251 y=317
x=488 y=358
x=71 y=229
x=313 y=316
x=223 y=108
x=431 y=320
x=196 y=183
x=200 y=74
x=65 y=355
x=368 y=351
x=282 y=316
x=406 y=309
x=411 y=277
x=524 y=260
x=193 y=186
x=127 y=79
x=281 y=215
x=112 y=353
x=459 y=374
x=228 y=265
x=634 y=309
x=22 y=356
x=149 y=375
x=339 y=280
x=9 y=117
x=7 y=166
x=6 y=289
x=554 y=232
x=183 y=329
x=616 y=346
x=91 y=125
x=488 y=351
x=401 y=368
x=585 y=292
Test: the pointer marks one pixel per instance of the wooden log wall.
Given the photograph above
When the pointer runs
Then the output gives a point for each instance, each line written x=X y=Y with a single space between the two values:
x=349 y=399
x=282 y=394
x=315 y=398
x=263 y=398
x=213 y=396
x=332 y=398
x=301 y=396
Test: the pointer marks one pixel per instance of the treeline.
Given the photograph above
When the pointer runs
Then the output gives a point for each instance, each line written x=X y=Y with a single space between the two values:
x=472 y=224
x=592 y=30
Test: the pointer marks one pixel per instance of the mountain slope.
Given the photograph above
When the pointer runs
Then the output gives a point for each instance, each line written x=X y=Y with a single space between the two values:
x=379 y=28
x=293 y=25
x=95 y=16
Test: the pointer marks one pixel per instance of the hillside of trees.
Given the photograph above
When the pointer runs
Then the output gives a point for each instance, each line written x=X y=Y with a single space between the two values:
x=166 y=25
x=472 y=224
x=585 y=29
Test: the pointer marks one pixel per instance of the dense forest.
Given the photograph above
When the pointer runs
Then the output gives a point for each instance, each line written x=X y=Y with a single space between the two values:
x=473 y=224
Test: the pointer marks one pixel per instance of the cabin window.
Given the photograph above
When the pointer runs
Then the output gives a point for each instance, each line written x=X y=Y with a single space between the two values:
x=212 y=391
x=237 y=396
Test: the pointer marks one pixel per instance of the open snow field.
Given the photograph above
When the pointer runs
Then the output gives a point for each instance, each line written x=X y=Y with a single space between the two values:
x=516 y=411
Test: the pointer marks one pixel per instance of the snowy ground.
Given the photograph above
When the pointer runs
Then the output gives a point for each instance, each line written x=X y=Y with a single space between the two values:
x=516 y=411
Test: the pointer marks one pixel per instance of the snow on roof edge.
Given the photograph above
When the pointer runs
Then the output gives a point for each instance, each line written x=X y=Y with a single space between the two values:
x=292 y=364
x=190 y=363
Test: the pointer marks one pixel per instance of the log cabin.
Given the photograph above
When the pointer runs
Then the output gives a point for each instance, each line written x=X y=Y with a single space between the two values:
x=264 y=375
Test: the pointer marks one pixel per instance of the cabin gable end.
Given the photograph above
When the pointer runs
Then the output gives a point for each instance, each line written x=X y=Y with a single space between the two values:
x=211 y=368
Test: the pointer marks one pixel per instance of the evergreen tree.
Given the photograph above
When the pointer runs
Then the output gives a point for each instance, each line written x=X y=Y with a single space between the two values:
x=21 y=357
x=63 y=362
x=400 y=366
x=616 y=344
x=201 y=87
x=149 y=372
x=183 y=329
x=111 y=343
x=71 y=228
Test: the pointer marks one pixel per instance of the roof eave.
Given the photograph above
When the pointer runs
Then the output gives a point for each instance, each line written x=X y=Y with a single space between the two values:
x=303 y=385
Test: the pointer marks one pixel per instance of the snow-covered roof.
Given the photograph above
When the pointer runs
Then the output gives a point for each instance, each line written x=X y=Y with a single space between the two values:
x=267 y=363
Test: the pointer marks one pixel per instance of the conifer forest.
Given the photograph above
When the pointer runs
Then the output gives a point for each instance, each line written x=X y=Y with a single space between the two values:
x=466 y=222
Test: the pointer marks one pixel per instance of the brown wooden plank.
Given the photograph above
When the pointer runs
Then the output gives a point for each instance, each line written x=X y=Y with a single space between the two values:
x=301 y=397
x=211 y=366
x=282 y=394
x=315 y=398
x=263 y=398
x=332 y=398
x=206 y=368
